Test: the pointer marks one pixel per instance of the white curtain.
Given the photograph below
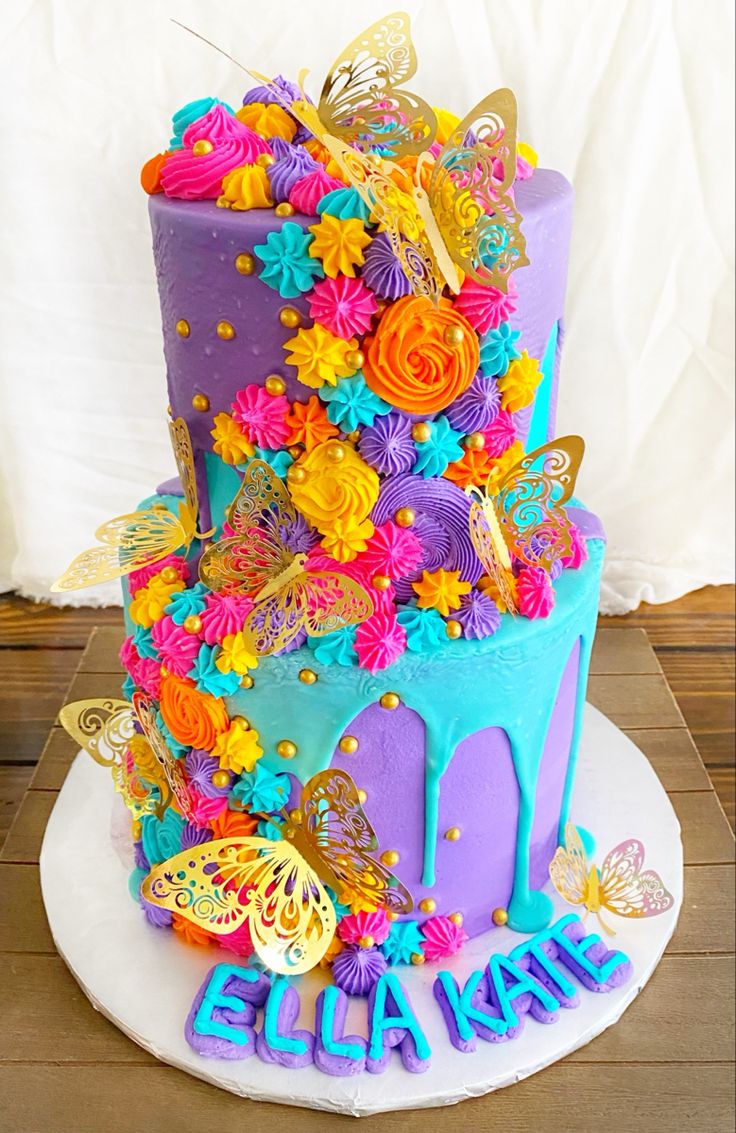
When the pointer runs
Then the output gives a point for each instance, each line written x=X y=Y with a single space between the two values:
x=631 y=99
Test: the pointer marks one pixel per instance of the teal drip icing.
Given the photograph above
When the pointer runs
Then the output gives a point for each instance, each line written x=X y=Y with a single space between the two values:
x=538 y=428
x=223 y=482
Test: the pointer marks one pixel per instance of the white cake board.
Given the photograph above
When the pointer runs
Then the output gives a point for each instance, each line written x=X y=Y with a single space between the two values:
x=144 y=979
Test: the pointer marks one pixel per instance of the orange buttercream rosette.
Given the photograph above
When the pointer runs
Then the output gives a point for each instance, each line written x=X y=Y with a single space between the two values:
x=409 y=361
x=194 y=718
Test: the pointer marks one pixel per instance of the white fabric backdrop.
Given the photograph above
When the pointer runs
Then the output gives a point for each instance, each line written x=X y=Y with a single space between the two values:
x=631 y=99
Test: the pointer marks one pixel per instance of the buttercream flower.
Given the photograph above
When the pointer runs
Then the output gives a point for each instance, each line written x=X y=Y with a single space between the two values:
x=379 y=641
x=489 y=587
x=357 y=901
x=231 y=442
x=209 y=677
x=500 y=434
x=279 y=91
x=224 y=614
x=147 y=676
x=344 y=305
x=246 y=187
x=194 y=718
x=189 y=932
x=474 y=467
x=309 y=424
x=356 y=971
x=128 y=654
x=196 y=171
x=278 y=458
x=321 y=154
x=425 y=630
x=447 y=122
x=440 y=449
x=388 y=444
x=410 y=363
x=150 y=601
x=142 y=576
x=339 y=244
x=578 y=550
x=183 y=605
x=291 y=164
x=382 y=270
x=176 y=647
x=345 y=203
x=442 y=938
x=189 y=113
x=143 y=638
x=355 y=927
x=319 y=356
x=267 y=119
x=534 y=592
x=518 y=384
x=238 y=748
x=262 y=416
x=238 y=941
x=497 y=349
x=503 y=464
x=150 y=176
x=478 y=615
x=232 y=824
x=441 y=589
x=306 y=193
x=236 y=655
x=335 y=494
x=205 y=808
x=476 y=408
x=403 y=941
x=201 y=768
x=485 y=307
x=161 y=837
x=351 y=403
x=346 y=539
x=287 y=265
x=336 y=648
x=392 y=550
x=260 y=789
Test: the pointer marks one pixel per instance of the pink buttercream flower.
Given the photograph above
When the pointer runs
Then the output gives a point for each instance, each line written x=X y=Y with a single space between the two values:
x=578 y=551
x=356 y=927
x=343 y=305
x=193 y=175
x=485 y=308
x=176 y=647
x=239 y=941
x=500 y=434
x=128 y=655
x=392 y=550
x=147 y=676
x=224 y=614
x=442 y=937
x=535 y=593
x=262 y=416
x=137 y=579
x=379 y=641
x=306 y=193
x=204 y=810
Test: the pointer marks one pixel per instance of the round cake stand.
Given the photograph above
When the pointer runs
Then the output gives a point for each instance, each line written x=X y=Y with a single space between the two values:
x=144 y=979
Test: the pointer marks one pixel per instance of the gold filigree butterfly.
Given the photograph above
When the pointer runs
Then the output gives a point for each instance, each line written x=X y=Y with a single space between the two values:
x=142 y=537
x=106 y=731
x=257 y=561
x=621 y=886
x=523 y=514
x=278 y=888
x=172 y=768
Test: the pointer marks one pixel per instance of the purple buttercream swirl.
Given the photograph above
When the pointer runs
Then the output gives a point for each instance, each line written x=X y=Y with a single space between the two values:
x=442 y=518
x=478 y=615
x=382 y=271
x=155 y=915
x=141 y=861
x=291 y=164
x=356 y=970
x=289 y=92
x=387 y=444
x=200 y=769
x=477 y=407
x=193 y=835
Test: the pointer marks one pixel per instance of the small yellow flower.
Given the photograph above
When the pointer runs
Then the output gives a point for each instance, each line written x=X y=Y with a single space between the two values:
x=442 y=589
x=339 y=244
x=357 y=902
x=320 y=356
x=236 y=656
x=518 y=384
x=488 y=586
x=267 y=119
x=446 y=123
x=525 y=151
x=347 y=539
x=246 y=187
x=501 y=466
x=150 y=601
x=238 y=749
x=230 y=442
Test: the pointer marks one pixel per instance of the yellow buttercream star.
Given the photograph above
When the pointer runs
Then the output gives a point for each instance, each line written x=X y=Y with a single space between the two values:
x=518 y=384
x=246 y=187
x=230 y=441
x=149 y=603
x=338 y=244
x=347 y=539
x=236 y=655
x=357 y=901
x=238 y=749
x=319 y=356
x=447 y=122
x=267 y=119
x=442 y=589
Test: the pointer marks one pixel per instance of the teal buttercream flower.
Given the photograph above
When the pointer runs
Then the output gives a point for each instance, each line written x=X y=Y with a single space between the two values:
x=177 y=750
x=352 y=403
x=403 y=941
x=287 y=265
x=425 y=629
x=341 y=910
x=337 y=648
x=260 y=789
x=129 y=687
x=183 y=604
x=279 y=459
x=270 y=830
x=497 y=349
x=161 y=837
x=494 y=241
x=209 y=678
x=143 y=641
x=442 y=448
x=345 y=204
x=190 y=113
x=135 y=880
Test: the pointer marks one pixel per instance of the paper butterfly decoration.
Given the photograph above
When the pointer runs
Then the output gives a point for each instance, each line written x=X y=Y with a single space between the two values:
x=257 y=561
x=172 y=767
x=278 y=888
x=105 y=729
x=141 y=538
x=523 y=515
x=621 y=886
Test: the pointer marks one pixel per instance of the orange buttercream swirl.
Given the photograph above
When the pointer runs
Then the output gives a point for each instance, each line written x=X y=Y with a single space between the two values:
x=421 y=358
x=194 y=718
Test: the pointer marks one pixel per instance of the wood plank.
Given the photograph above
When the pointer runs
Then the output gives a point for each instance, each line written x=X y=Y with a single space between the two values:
x=622 y=651
x=34 y=682
x=673 y=756
x=49 y=627
x=706 y=836
x=724 y=782
x=13 y=785
x=23 y=924
x=101 y=652
x=640 y=701
x=23 y=843
x=55 y=761
x=87 y=686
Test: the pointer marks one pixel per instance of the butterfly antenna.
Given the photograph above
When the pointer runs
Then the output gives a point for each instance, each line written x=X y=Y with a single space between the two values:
x=220 y=50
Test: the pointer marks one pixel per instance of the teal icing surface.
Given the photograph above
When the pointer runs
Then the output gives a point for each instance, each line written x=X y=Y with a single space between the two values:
x=540 y=415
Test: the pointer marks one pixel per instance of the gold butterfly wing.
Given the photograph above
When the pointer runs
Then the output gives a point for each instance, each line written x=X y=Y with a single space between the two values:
x=275 y=620
x=223 y=884
x=331 y=601
x=172 y=767
x=569 y=869
x=627 y=889
x=181 y=442
x=105 y=729
x=490 y=547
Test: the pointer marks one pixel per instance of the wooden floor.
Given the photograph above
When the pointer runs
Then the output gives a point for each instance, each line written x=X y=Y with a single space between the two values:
x=40 y=648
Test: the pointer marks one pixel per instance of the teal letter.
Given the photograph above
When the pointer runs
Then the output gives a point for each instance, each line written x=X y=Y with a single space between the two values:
x=213 y=997
x=523 y=983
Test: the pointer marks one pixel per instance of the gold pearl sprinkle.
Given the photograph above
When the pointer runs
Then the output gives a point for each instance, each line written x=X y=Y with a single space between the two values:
x=221 y=779
x=202 y=147
x=225 y=330
x=265 y=159
x=499 y=917
x=427 y=905
x=182 y=328
x=354 y=437
x=296 y=475
x=284 y=209
x=354 y=359
x=417 y=958
x=391 y=915
x=336 y=452
x=169 y=574
x=200 y=402
x=290 y=318
x=286 y=749
x=193 y=623
x=247 y=681
x=365 y=942
x=296 y=816
x=381 y=581
x=405 y=516
x=307 y=676
x=390 y=700
x=362 y=796
x=275 y=385
x=456 y=918
x=348 y=745
x=245 y=263
x=475 y=442
x=390 y=857
x=295 y=451
x=454 y=336
x=453 y=629
x=421 y=432
x=453 y=834
x=241 y=722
